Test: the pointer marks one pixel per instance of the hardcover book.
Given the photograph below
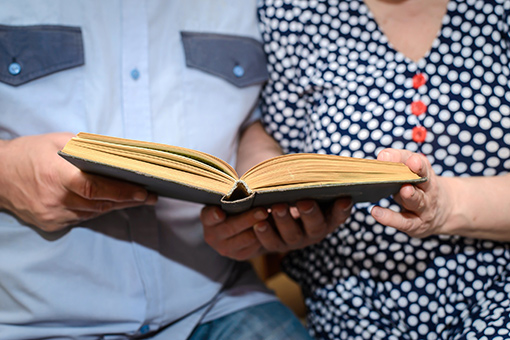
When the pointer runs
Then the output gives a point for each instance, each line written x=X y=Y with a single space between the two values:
x=195 y=176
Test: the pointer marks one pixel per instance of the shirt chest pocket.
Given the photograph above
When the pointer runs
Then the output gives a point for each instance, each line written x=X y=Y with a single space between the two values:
x=41 y=83
x=239 y=60
x=222 y=83
x=31 y=52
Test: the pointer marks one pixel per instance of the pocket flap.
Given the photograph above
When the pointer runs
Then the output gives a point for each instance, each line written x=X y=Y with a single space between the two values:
x=31 y=52
x=237 y=59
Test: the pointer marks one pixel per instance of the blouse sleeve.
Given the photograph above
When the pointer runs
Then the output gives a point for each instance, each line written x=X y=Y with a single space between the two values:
x=285 y=96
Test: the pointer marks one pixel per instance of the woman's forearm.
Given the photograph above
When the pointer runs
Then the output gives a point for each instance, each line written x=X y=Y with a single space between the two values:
x=255 y=146
x=480 y=207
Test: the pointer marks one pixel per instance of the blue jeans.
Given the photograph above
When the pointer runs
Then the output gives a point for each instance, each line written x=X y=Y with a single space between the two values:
x=268 y=321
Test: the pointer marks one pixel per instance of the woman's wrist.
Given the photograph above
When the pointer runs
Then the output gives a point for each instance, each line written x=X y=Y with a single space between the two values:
x=456 y=220
x=477 y=207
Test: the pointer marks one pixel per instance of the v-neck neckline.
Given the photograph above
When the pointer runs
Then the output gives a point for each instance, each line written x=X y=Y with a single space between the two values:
x=383 y=38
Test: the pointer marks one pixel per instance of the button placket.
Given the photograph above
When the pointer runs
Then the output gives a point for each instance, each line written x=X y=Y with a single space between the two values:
x=418 y=108
x=136 y=104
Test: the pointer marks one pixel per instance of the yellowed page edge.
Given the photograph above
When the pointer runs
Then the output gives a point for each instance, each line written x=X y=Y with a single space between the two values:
x=193 y=154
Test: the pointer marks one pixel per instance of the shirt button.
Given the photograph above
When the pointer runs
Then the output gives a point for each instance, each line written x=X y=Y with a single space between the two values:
x=135 y=74
x=418 y=108
x=419 y=134
x=238 y=71
x=418 y=80
x=144 y=329
x=14 y=69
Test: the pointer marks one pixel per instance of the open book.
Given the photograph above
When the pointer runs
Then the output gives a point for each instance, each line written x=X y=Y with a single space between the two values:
x=195 y=176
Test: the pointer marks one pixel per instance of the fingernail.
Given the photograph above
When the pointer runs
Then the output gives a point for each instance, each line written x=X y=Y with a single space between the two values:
x=260 y=227
x=377 y=212
x=306 y=207
x=384 y=156
x=346 y=206
x=216 y=215
x=414 y=191
x=260 y=214
x=140 y=196
x=280 y=212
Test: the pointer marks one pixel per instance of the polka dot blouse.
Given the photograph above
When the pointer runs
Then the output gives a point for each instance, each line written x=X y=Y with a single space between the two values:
x=337 y=86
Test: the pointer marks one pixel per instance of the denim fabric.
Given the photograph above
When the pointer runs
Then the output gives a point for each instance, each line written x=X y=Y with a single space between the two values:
x=269 y=321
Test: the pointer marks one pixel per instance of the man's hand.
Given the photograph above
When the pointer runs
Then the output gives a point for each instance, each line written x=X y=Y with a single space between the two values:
x=258 y=231
x=300 y=226
x=233 y=236
x=43 y=189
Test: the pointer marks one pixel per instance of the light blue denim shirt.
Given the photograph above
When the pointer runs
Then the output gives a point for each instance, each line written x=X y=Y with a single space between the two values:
x=125 y=68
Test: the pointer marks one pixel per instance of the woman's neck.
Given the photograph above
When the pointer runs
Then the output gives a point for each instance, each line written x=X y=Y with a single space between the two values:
x=411 y=26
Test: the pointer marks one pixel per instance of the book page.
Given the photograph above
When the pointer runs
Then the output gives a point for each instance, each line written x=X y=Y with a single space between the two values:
x=188 y=155
x=153 y=162
x=305 y=169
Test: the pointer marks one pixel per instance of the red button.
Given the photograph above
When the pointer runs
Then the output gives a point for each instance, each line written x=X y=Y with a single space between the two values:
x=418 y=108
x=419 y=80
x=419 y=134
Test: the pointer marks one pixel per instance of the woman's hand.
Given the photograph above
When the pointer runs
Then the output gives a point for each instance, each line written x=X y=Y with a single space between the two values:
x=425 y=206
x=475 y=207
